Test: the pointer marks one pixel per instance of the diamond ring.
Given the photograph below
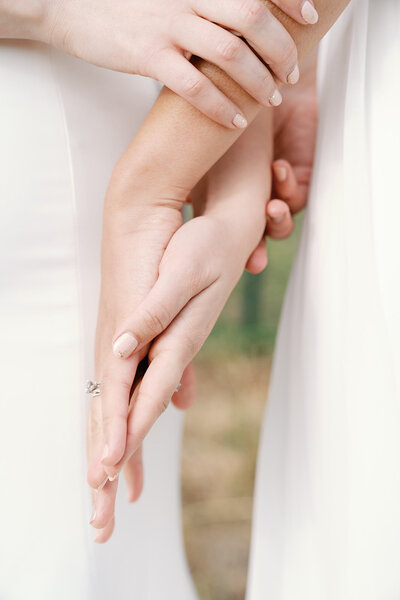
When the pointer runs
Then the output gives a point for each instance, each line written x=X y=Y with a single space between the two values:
x=93 y=388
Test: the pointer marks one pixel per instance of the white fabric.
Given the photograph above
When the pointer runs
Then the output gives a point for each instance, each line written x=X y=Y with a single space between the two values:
x=327 y=507
x=63 y=125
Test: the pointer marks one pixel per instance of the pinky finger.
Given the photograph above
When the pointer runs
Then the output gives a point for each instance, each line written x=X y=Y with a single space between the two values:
x=258 y=259
x=189 y=83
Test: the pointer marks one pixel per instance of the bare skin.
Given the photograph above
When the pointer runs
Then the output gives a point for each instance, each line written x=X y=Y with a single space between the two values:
x=165 y=147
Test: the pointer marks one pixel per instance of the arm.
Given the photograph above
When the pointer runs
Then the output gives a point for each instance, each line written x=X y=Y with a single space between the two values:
x=155 y=38
x=198 y=268
x=177 y=135
x=174 y=148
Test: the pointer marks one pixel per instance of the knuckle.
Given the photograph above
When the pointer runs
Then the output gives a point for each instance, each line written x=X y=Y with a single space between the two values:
x=192 y=86
x=155 y=320
x=229 y=48
x=288 y=52
x=114 y=420
x=252 y=12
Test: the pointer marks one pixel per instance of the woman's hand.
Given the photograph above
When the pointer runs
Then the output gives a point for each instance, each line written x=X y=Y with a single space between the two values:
x=143 y=243
x=155 y=38
x=295 y=125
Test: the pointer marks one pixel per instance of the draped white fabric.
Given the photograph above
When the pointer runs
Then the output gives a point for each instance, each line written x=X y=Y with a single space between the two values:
x=63 y=125
x=327 y=507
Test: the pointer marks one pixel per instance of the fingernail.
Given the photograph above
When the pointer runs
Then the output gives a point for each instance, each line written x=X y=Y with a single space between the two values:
x=278 y=219
x=92 y=518
x=113 y=477
x=239 y=121
x=105 y=453
x=309 y=13
x=125 y=345
x=294 y=76
x=280 y=174
x=276 y=98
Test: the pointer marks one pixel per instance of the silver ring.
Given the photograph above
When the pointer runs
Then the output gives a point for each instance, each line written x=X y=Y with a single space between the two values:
x=93 y=388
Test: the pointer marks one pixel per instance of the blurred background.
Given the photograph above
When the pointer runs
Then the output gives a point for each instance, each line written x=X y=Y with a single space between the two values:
x=222 y=429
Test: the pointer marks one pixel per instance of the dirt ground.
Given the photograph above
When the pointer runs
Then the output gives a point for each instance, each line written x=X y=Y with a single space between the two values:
x=219 y=457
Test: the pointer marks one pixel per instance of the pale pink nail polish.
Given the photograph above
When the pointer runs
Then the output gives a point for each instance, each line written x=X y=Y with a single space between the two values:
x=239 y=121
x=92 y=518
x=294 y=76
x=278 y=219
x=124 y=345
x=276 y=98
x=309 y=13
x=280 y=174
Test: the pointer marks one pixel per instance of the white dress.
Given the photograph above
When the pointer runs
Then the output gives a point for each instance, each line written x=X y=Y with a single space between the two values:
x=327 y=507
x=63 y=125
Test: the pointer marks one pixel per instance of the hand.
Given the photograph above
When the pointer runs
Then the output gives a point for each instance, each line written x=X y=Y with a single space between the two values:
x=295 y=125
x=134 y=255
x=155 y=39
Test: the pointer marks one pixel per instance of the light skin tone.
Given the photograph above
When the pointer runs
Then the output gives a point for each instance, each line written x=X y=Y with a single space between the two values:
x=179 y=160
x=156 y=39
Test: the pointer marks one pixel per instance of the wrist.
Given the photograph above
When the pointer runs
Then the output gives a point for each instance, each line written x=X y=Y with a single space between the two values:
x=23 y=19
x=137 y=184
x=243 y=223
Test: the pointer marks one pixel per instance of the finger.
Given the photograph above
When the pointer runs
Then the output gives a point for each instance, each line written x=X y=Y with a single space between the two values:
x=258 y=259
x=302 y=11
x=171 y=292
x=133 y=471
x=286 y=186
x=264 y=32
x=96 y=475
x=184 y=79
x=153 y=397
x=115 y=395
x=280 y=222
x=231 y=54
x=186 y=395
x=104 y=505
x=103 y=535
x=170 y=355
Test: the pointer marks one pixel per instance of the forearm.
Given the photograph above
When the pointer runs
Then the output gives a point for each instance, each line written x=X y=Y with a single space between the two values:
x=178 y=145
x=22 y=19
x=241 y=179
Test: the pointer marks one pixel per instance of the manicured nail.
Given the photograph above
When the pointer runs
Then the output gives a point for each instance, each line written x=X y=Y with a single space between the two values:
x=239 y=121
x=92 y=518
x=309 y=13
x=276 y=98
x=280 y=174
x=105 y=453
x=125 y=345
x=294 y=76
x=278 y=219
